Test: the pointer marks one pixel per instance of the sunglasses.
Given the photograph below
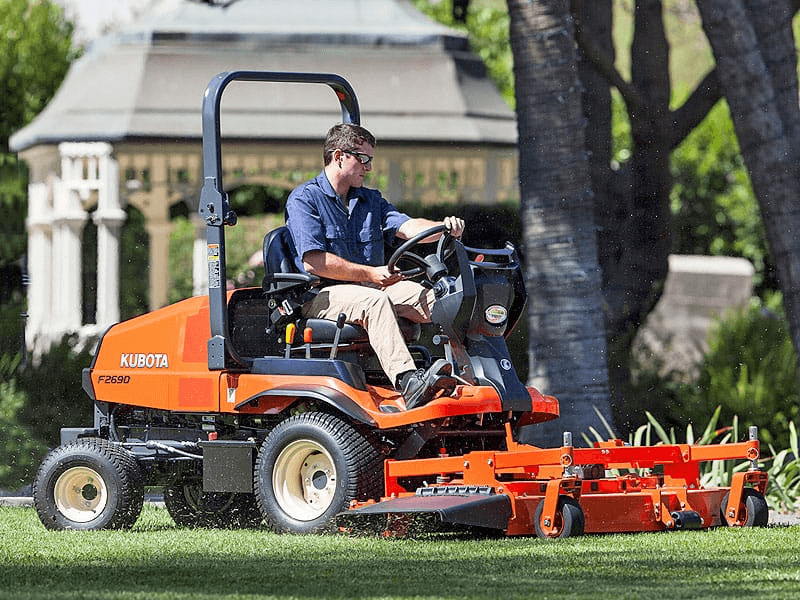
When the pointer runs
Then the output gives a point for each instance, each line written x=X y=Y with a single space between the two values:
x=364 y=159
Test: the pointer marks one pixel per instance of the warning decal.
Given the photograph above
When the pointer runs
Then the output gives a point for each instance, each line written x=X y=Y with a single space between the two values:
x=213 y=266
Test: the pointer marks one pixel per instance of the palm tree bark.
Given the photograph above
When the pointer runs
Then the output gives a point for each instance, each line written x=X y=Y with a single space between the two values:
x=756 y=61
x=567 y=332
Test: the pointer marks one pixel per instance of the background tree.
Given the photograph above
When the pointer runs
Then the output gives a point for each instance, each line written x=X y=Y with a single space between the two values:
x=35 y=53
x=756 y=69
x=632 y=203
x=567 y=346
x=631 y=207
x=639 y=186
x=756 y=58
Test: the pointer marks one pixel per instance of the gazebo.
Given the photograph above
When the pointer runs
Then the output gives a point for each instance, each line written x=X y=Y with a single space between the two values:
x=124 y=128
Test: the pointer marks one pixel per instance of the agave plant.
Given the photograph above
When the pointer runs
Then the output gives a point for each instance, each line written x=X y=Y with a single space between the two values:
x=784 y=475
x=783 y=467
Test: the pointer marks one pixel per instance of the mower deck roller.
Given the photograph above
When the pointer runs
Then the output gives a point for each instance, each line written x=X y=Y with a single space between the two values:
x=216 y=401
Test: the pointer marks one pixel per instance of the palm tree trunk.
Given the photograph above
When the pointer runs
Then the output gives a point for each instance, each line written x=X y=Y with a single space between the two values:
x=757 y=69
x=567 y=333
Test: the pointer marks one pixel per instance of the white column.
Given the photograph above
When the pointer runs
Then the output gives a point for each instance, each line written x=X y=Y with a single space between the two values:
x=68 y=220
x=87 y=168
x=40 y=257
x=159 y=262
x=108 y=217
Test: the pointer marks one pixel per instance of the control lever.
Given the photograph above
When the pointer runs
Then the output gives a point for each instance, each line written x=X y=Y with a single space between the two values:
x=339 y=326
x=308 y=335
x=290 y=330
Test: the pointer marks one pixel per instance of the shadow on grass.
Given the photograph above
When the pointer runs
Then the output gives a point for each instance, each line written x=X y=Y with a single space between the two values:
x=347 y=578
x=436 y=568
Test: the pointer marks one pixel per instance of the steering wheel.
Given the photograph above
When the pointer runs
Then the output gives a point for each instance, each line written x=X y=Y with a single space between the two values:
x=443 y=251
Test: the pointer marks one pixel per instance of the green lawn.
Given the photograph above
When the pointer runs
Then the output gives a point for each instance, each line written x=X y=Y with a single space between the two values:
x=156 y=561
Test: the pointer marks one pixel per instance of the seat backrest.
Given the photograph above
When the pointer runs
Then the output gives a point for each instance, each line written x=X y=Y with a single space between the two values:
x=279 y=251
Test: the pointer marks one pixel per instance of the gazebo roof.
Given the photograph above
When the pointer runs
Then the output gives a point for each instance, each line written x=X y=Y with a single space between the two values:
x=416 y=80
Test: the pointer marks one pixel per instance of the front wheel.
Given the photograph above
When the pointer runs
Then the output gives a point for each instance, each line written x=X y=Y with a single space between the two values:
x=89 y=484
x=309 y=469
x=569 y=519
x=753 y=510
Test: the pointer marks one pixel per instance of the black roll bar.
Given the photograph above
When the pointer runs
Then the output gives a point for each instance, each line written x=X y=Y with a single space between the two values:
x=214 y=207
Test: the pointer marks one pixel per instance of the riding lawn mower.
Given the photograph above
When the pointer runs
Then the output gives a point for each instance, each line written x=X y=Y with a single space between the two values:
x=245 y=413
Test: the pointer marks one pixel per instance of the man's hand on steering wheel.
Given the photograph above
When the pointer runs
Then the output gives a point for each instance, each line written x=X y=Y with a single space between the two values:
x=454 y=226
x=432 y=266
x=383 y=277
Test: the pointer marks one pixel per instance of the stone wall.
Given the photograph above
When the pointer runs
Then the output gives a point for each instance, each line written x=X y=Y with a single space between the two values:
x=698 y=290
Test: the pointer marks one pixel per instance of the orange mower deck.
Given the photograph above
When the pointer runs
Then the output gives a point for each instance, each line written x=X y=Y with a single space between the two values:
x=659 y=490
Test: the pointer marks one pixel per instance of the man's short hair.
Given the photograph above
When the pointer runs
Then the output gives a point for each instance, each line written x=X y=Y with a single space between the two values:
x=345 y=136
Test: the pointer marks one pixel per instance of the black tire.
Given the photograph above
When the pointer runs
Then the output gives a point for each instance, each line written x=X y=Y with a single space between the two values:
x=190 y=506
x=309 y=469
x=569 y=518
x=89 y=484
x=753 y=510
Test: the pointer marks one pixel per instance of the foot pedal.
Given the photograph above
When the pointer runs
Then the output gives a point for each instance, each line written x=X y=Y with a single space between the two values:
x=445 y=383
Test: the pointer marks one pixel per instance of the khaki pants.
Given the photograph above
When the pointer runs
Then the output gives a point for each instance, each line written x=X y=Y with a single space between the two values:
x=376 y=310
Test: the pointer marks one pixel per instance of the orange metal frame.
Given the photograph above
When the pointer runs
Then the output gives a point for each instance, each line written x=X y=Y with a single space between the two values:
x=625 y=503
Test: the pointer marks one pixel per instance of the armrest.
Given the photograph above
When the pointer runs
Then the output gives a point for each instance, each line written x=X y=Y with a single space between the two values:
x=273 y=282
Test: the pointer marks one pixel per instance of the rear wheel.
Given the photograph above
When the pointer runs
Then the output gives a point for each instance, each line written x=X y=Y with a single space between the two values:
x=190 y=506
x=89 y=484
x=308 y=470
x=753 y=510
x=569 y=519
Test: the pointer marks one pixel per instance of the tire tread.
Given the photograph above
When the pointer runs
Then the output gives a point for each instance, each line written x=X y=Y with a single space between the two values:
x=360 y=450
x=129 y=493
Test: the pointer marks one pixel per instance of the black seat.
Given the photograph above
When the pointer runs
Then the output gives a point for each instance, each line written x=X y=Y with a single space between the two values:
x=279 y=252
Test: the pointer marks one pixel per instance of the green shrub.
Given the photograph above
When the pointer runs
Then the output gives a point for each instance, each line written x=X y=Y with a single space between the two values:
x=134 y=288
x=750 y=370
x=714 y=209
x=20 y=452
x=241 y=242
x=35 y=403
x=783 y=491
x=651 y=391
x=181 y=249
x=55 y=398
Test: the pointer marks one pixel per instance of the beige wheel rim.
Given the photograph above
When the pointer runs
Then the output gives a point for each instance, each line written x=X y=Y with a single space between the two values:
x=304 y=480
x=80 y=494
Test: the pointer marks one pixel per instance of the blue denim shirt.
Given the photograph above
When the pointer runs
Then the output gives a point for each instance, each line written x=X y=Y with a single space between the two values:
x=318 y=221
